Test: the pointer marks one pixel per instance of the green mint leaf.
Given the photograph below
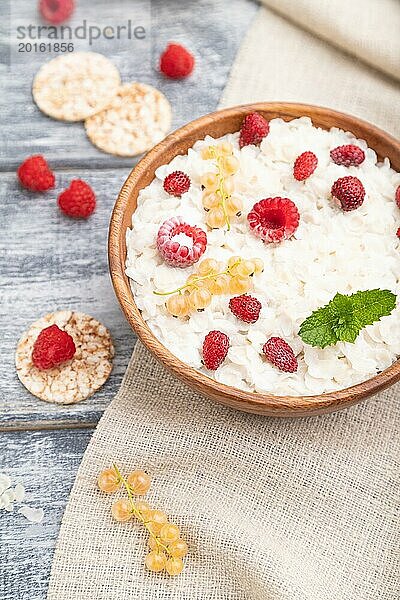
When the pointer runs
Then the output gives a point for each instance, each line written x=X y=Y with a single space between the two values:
x=346 y=333
x=318 y=328
x=344 y=324
x=372 y=305
x=344 y=316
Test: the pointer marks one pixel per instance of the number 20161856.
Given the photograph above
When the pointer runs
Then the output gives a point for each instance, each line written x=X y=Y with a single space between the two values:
x=42 y=47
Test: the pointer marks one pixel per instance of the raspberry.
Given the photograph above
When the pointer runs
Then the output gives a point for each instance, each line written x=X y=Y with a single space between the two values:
x=305 y=165
x=280 y=354
x=348 y=155
x=398 y=232
x=215 y=349
x=397 y=196
x=56 y=11
x=35 y=174
x=349 y=192
x=172 y=250
x=246 y=308
x=53 y=347
x=177 y=183
x=274 y=219
x=253 y=131
x=176 y=62
x=78 y=201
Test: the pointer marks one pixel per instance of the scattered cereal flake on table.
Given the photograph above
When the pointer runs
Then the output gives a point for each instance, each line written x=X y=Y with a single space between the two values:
x=34 y=515
x=75 y=86
x=77 y=379
x=5 y=482
x=19 y=492
x=6 y=499
x=138 y=117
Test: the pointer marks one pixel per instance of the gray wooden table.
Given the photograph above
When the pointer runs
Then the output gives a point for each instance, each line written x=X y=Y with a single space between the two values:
x=49 y=262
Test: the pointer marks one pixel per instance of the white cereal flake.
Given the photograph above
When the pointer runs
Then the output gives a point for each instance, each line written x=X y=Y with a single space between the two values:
x=5 y=482
x=34 y=515
x=331 y=252
x=10 y=496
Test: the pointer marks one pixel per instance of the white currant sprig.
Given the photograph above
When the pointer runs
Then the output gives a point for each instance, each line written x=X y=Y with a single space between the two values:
x=211 y=279
x=219 y=186
x=166 y=547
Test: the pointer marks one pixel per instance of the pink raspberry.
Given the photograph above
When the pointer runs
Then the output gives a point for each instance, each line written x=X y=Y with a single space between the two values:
x=176 y=61
x=52 y=347
x=35 y=174
x=56 y=11
x=174 y=252
x=274 y=219
x=78 y=200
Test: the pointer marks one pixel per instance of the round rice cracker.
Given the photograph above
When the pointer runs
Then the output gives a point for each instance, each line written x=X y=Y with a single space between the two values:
x=75 y=86
x=78 y=378
x=138 y=118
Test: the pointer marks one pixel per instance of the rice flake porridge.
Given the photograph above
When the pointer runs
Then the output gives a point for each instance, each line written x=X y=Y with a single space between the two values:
x=333 y=250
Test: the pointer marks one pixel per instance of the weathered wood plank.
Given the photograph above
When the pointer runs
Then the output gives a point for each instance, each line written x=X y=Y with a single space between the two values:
x=51 y=262
x=212 y=29
x=46 y=464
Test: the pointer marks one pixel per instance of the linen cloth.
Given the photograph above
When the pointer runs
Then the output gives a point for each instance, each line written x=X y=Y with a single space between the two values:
x=367 y=29
x=303 y=509
x=281 y=61
x=299 y=509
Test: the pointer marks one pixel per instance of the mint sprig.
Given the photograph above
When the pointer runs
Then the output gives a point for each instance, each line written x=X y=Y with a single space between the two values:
x=343 y=318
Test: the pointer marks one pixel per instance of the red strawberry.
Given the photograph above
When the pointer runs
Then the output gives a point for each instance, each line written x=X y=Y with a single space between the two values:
x=253 y=131
x=56 y=11
x=52 y=347
x=349 y=192
x=177 y=183
x=246 y=308
x=215 y=349
x=35 y=174
x=348 y=155
x=173 y=252
x=78 y=201
x=280 y=354
x=274 y=219
x=176 y=62
x=305 y=165
x=397 y=196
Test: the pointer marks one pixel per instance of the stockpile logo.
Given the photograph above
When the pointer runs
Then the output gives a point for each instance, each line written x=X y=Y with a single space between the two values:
x=31 y=37
x=102 y=26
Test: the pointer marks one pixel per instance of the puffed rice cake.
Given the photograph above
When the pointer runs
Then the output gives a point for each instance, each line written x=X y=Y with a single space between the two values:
x=75 y=86
x=80 y=377
x=138 y=118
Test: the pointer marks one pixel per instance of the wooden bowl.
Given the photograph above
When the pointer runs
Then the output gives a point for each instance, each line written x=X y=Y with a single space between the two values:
x=216 y=125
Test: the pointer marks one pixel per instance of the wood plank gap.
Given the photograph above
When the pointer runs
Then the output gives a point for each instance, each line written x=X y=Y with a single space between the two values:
x=48 y=426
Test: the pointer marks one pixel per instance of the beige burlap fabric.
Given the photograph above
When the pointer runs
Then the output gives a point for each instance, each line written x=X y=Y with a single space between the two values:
x=279 y=60
x=283 y=510
x=302 y=509
x=366 y=29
